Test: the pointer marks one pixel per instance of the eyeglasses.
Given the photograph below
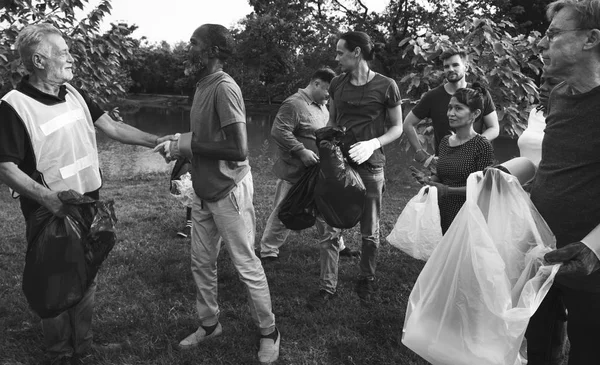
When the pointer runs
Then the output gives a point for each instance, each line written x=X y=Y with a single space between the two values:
x=552 y=33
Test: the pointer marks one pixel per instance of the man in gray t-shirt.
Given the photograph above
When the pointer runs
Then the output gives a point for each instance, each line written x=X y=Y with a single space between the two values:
x=222 y=207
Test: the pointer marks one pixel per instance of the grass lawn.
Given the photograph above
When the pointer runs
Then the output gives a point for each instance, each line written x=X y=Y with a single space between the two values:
x=146 y=296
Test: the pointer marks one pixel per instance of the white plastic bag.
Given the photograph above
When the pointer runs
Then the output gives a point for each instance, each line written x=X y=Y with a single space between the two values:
x=418 y=228
x=467 y=307
x=185 y=189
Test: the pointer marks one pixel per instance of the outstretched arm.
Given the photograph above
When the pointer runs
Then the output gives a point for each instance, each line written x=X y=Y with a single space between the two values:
x=125 y=133
x=233 y=148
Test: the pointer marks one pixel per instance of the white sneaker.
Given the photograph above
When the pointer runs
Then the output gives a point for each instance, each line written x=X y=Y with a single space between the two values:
x=200 y=335
x=269 y=349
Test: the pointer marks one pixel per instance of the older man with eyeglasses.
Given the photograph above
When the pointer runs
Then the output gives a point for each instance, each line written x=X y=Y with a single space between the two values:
x=566 y=189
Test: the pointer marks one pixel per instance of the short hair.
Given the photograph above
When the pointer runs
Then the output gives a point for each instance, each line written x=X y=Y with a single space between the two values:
x=29 y=39
x=587 y=12
x=217 y=35
x=453 y=52
x=363 y=41
x=324 y=74
x=471 y=96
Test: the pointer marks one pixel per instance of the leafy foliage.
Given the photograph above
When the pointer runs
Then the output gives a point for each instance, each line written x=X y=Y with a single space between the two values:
x=498 y=60
x=98 y=56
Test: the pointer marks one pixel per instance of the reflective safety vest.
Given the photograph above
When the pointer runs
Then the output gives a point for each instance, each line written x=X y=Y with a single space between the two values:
x=63 y=140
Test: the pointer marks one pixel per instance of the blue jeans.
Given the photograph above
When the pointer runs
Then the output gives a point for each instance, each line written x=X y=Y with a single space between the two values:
x=232 y=219
x=374 y=181
x=70 y=332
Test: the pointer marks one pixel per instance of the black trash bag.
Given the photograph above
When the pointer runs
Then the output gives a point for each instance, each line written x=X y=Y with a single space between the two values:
x=64 y=254
x=298 y=210
x=339 y=191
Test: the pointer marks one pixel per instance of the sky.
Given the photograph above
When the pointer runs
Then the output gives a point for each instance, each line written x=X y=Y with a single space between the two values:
x=176 y=20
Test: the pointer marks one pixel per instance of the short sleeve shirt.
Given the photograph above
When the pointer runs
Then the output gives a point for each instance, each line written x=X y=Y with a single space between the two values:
x=363 y=110
x=218 y=103
x=434 y=105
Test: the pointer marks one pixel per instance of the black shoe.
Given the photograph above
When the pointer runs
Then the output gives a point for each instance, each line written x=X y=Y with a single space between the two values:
x=365 y=288
x=269 y=260
x=346 y=252
x=185 y=232
x=319 y=300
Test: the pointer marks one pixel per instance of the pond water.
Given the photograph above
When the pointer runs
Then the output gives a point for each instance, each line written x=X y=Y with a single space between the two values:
x=118 y=160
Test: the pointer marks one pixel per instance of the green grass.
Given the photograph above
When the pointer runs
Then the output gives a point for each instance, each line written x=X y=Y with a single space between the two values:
x=146 y=295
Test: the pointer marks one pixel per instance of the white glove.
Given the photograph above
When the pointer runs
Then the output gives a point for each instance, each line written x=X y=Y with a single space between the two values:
x=362 y=151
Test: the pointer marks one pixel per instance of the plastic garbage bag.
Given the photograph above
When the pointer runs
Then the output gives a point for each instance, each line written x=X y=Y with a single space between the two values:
x=64 y=254
x=339 y=191
x=418 y=229
x=181 y=167
x=298 y=209
x=185 y=190
x=466 y=306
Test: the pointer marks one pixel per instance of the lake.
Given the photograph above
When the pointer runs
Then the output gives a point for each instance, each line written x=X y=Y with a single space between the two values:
x=118 y=160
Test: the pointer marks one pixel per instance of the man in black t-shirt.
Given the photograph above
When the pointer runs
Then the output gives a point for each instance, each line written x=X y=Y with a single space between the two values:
x=48 y=145
x=434 y=105
x=566 y=187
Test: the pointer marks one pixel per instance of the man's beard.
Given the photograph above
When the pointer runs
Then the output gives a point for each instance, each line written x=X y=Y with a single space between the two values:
x=193 y=68
x=453 y=77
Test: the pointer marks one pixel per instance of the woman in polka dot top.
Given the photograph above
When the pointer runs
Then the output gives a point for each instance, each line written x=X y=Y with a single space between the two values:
x=460 y=154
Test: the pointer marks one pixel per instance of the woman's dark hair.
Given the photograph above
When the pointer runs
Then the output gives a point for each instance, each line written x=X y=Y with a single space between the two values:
x=471 y=96
x=363 y=41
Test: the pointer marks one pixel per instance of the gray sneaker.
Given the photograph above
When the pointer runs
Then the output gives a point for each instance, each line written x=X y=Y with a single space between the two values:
x=199 y=336
x=268 y=352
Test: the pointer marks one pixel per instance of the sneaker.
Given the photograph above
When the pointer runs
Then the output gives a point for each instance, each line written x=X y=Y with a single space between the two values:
x=346 y=252
x=185 y=232
x=365 y=288
x=268 y=352
x=319 y=299
x=199 y=336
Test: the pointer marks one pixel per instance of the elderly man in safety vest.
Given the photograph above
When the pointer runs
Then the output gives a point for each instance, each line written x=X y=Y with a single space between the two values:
x=47 y=145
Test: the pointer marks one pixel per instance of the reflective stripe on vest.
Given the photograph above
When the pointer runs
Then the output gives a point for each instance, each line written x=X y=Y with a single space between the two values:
x=63 y=139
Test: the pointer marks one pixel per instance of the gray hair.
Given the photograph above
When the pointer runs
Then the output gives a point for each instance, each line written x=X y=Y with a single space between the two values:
x=29 y=39
x=587 y=12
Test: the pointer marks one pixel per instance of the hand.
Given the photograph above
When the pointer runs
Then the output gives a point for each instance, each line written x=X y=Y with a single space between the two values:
x=442 y=190
x=164 y=149
x=169 y=137
x=418 y=175
x=422 y=156
x=307 y=157
x=361 y=151
x=577 y=260
x=55 y=205
x=115 y=115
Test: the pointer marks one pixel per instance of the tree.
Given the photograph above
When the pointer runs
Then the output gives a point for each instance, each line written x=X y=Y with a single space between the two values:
x=98 y=56
x=497 y=60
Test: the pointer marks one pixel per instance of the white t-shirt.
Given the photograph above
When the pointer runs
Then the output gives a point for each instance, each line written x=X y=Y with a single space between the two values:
x=530 y=141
